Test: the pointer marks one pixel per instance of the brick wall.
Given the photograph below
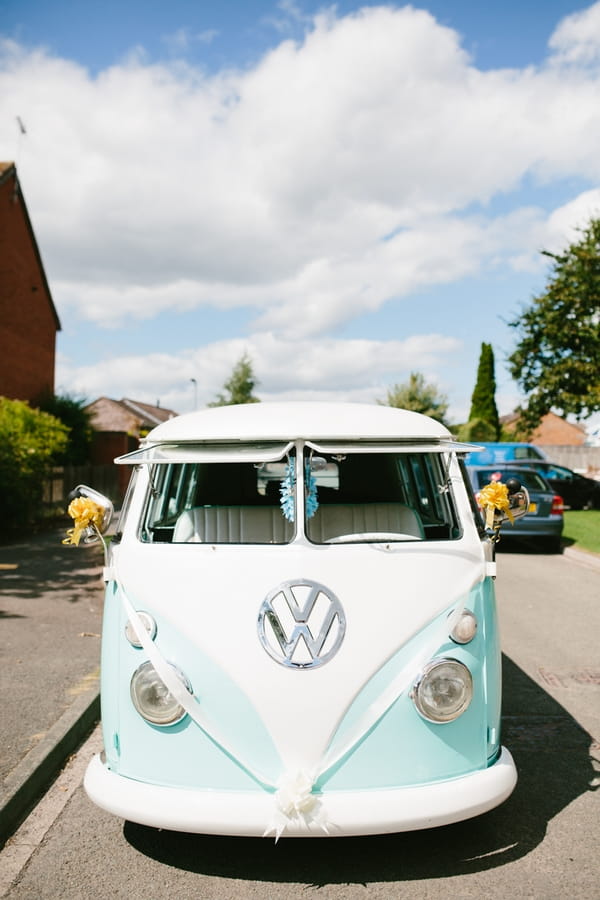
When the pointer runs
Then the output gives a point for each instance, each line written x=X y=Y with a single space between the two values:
x=106 y=446
x=28 y=322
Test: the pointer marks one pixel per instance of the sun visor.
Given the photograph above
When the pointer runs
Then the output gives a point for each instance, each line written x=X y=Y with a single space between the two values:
x=158 y=454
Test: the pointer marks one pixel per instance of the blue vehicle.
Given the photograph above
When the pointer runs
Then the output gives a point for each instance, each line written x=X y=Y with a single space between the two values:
x=543 y=524
x=504 y=452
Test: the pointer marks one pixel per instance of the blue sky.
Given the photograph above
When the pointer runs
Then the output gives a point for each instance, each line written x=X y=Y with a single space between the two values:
x=234 y=33
x=346 y=193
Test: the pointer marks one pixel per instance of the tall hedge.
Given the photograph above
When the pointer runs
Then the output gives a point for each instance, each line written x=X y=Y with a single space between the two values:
x=30 y=442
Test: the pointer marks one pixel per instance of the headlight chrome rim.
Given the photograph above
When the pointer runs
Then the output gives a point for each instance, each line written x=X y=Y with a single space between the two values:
x=149 y=624
x=153 y=700
x=422 y=693
x=465 y=629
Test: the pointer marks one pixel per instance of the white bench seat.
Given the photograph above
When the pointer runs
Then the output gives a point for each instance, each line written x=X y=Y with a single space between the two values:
x=336 y=519
x=233 y=525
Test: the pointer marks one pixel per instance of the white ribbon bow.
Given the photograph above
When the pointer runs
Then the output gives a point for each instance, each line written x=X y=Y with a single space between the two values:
x=295 y=801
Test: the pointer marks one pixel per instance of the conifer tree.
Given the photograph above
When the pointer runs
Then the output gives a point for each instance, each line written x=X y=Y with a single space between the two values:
x=483 y=401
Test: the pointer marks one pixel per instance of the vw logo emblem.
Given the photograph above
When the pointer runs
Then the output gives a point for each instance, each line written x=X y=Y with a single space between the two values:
x=301 y=624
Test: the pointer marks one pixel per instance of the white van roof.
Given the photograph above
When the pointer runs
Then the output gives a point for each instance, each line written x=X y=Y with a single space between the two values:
x=299 y=420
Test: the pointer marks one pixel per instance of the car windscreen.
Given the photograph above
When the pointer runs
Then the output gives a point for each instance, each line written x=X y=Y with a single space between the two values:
x=231 y=502
x=358 y=497
x=527 y=477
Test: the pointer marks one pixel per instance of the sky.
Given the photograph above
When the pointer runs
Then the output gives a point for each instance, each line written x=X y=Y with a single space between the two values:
x=345 y=193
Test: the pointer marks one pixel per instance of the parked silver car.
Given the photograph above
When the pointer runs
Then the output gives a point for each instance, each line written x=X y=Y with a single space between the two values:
x=543 y=524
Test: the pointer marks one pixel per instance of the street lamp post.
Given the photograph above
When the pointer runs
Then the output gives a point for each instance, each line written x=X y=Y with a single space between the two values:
x=195 y=383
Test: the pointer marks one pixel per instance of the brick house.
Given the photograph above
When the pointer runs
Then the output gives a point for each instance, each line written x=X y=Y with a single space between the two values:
x=118 y=426
x=28 y=318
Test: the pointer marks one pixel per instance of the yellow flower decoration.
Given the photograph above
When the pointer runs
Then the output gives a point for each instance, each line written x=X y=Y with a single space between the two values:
x=492 y=497
x=85 y=514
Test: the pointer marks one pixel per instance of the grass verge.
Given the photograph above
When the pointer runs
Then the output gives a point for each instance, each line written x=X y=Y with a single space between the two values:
x=582 y=529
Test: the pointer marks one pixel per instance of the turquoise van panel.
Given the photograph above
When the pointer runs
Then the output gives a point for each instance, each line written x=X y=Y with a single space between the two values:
x=181 y=754
x=401 y=749
x=110 y=674
x=405 y=749
x=492 y=668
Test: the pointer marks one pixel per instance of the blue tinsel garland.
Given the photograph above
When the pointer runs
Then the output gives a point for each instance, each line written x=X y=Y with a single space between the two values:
x=287 y=492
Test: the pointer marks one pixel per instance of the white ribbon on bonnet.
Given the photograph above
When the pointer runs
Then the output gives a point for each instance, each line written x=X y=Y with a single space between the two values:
x=293 y=792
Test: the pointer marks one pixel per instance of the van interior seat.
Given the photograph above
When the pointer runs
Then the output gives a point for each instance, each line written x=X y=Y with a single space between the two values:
x=233 y=525
x=335 y=519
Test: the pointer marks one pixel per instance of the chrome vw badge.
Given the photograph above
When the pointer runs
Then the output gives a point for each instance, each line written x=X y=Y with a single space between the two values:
x=301 y=624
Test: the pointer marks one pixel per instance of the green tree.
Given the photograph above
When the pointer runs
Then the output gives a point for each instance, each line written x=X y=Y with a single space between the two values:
x=71 y=412
x=30 y=442
x=557 y=357
x=239 y=386
x=476 y=430
x=419 y=396
x=483 y=401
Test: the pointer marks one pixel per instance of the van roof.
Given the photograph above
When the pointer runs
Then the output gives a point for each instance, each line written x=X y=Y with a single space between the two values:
x=299 y=419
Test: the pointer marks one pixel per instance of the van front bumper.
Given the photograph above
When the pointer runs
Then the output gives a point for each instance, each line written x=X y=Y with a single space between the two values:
x=250 y=814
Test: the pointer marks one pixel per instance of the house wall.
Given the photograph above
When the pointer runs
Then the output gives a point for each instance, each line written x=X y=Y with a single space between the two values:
x=106 y=446
x=28 y=322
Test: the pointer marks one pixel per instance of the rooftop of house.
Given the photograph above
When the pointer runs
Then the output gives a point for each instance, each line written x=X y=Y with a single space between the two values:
x=553 y=429
x=131 y=416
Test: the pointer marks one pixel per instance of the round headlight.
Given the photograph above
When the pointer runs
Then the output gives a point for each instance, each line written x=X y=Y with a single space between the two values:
x=152 y=698
x=148 y=623
x=465 y=629
x=443 y=691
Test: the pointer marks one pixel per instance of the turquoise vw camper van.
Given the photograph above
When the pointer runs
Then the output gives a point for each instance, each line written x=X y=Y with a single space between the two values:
x=300 y=633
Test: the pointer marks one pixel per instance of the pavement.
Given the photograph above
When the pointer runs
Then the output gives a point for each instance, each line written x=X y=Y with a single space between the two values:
x=51 y=598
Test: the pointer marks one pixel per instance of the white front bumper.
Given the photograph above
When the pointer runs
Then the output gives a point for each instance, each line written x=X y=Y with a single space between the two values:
x=250 y=814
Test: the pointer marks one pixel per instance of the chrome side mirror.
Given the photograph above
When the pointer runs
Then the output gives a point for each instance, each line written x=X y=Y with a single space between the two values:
x=518 y=499
x=91 y=513
x=503 y=503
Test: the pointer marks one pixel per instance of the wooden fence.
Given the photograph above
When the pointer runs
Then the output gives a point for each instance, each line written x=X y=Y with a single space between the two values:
x=104 y=479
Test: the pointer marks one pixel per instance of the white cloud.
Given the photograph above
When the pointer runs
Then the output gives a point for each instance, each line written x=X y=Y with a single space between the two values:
x=356 y=167
x=288 y=17
x=328 y=368
x=180 y=40
x=158 y=187
x=533 y=230
x=577 y=37
x=566 y=222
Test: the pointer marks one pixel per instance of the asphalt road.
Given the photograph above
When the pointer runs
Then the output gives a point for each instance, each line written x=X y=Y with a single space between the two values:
x=542 y=843
x=51 y=599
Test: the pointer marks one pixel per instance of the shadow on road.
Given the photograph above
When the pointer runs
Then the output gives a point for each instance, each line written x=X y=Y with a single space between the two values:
x=552 y=753
x=40 y=563
x=524 y=545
